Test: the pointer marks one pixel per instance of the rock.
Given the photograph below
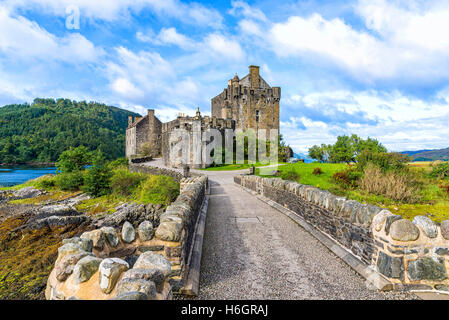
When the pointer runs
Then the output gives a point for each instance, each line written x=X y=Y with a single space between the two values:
x=150 y=260
x=69 y=248
x=445 y=229
x=380 y=218
x=64 y=267
x=154 y=275
x=85 y=244
x=126 y=212
x=155 y=247
x=97 y=238
x=404 y=230
x=442 y=251
x=137 y=285
x=131 y=296
x=146 y=231
x=426 y=269
x=27 y=193
x=131 y=260
x=85 y=269
x=111 y=236
x=128 y=232
x=58 y=221
x=55 y=210
x=389 y=220
x=390 y=267
x=428 y=226
x=169 y=231
x=442 y=287
x=110 y=271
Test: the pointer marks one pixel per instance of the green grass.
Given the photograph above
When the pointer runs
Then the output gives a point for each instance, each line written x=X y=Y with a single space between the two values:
x=434 y=201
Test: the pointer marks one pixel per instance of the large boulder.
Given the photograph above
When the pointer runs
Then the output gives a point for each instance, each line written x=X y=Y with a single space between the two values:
x=27 y=193
x=146 y=231
x=404 y=230
x=136 y=295
x=64 y=267
x=150 y=260
x=379 y=219
x=97 y=237
x=428 y=226
x=85 y=244
x=85 y=269
x=169 y=231
x=69 y=248
x=110 y=271
x=137 y=285
x=128 y=232
x=445 y=229
x=154 y=275
x=111 y=236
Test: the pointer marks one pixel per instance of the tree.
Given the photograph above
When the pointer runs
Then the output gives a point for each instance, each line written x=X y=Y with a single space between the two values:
x=97 y=181
x=73 y=160
x=320 y=153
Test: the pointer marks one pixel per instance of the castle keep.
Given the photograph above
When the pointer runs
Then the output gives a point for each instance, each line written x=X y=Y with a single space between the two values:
x=247 y=103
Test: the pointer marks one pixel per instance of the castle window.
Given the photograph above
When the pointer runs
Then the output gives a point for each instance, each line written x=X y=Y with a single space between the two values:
x=257 y=115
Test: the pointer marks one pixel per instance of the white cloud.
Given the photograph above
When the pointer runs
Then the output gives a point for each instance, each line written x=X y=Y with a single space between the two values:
x=112 y=10
x=224 y=47
x=242 y=8
x=22 y=38
x=407 y=43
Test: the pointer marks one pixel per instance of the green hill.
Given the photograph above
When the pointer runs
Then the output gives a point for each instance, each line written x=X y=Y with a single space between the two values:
x=40 y=132
x=429 y=155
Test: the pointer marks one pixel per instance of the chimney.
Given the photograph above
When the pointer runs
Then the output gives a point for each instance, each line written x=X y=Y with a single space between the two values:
x=130 y=121
x=150 y=113
x=254 y=76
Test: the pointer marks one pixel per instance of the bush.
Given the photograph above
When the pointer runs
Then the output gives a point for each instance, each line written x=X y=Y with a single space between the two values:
x=71 y=181
x=397 y=186
x=46 y=182
x=73 y=160
x=317 y=171
x=120 y=162
x=158 y=190
x=441 y=170
x=347 y=178
x=124 y=182
x=97 y=181
x=290 y=174
x=444 y=186
x=384 y=160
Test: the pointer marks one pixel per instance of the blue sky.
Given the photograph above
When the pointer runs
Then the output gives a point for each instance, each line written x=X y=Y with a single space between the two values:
x=375 y=68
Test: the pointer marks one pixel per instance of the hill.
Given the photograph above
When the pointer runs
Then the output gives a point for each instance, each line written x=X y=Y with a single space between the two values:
x=429 y=155
x=40 y=132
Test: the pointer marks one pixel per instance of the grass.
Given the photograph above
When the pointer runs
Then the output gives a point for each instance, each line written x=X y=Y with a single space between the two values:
x=233 y=167
x=434 y=202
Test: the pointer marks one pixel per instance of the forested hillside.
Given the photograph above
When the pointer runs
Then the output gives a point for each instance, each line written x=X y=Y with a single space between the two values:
x=40 y=132
x=429 y=155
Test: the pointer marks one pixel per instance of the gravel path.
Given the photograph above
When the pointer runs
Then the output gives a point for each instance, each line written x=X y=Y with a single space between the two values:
x=252 y=251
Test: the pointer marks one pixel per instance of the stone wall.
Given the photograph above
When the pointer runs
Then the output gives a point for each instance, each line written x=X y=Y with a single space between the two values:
x=411 y=255
x=135 y=254
x=137 y=167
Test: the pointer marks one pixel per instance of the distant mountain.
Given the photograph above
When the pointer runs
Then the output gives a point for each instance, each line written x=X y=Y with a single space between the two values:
x=428 y=155
x=40 y=132
x=302 y=156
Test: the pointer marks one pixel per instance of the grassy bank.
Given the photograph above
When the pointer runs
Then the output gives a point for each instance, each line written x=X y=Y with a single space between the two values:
x=233 y=167
x=432 y=199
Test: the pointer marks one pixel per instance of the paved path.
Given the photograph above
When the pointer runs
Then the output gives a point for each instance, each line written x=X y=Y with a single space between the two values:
x=252 y=251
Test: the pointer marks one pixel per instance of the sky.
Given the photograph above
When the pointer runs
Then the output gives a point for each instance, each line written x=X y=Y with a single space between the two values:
x=375 y=68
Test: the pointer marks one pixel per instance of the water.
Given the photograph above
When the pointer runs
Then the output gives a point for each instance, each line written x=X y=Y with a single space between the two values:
x=18 y=175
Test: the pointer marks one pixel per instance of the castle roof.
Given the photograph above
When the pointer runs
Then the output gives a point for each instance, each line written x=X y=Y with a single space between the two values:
x=245 y=81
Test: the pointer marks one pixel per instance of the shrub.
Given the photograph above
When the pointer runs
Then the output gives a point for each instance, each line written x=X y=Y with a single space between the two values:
x=290 y=174
x=97 y=181
x=317 y=171
x=394 y=185
x=46 y=182
x=120 y=162
x=158 y=190
x=71 y=181
x=384 y=160
x=73 y=160
x=347 y=178
x=124 y=182
x=441 y=170
x=444 y=186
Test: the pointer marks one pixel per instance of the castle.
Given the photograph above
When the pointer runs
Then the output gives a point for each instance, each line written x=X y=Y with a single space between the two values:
x=247 y=103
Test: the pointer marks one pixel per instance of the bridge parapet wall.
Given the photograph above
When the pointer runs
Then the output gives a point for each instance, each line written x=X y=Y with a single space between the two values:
x=411 y=255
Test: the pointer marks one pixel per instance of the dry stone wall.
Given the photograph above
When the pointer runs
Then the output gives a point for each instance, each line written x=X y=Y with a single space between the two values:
x=410 y=254
x=133 y=255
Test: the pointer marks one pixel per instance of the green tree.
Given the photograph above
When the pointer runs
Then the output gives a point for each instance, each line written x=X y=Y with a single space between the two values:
x=73 y=160
x=97 y=180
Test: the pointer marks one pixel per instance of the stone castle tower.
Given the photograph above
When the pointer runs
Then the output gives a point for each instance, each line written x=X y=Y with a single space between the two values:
x=250 y=101
x=247 y=103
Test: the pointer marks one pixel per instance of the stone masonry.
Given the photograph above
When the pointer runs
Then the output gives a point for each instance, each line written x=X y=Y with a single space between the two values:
x=247 y=103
